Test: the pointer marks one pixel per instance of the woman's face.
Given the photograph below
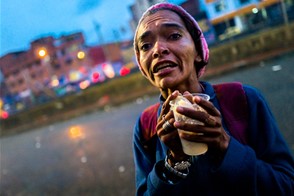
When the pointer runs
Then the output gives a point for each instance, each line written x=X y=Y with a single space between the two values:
x=166 y=51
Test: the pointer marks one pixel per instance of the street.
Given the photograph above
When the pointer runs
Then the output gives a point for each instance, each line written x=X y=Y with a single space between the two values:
x=92 y=154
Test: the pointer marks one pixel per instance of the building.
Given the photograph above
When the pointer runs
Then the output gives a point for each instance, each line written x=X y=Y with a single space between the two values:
x=29 y=72
x=223 y=19
x=53 y=67
x=194 y=7
x=233 y=17
x=29 y=77
x=138 y=8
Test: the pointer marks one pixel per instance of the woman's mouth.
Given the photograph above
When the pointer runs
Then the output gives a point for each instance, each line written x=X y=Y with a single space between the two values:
x=163 y=66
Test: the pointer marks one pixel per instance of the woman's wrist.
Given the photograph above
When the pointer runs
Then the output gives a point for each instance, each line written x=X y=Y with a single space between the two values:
x=165 y=175
x=180 y=169
x=173 y=158
x=173 y=171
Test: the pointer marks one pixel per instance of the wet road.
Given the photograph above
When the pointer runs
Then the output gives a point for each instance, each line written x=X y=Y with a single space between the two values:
x=92 y=154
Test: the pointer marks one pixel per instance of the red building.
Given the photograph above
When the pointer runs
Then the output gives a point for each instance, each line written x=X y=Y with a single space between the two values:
x=51 y=64
x=35 y=71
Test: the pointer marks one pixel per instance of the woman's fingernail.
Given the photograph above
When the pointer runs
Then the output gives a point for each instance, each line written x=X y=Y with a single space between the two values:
x=179 y=109
x=175 y=92
x=197 y=98
x=176 y=123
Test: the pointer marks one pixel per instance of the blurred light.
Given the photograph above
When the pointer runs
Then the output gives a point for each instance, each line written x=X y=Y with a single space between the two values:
x=276 y=67
x=81 y=55
x=124 y=71
x=4 y=114
x=84 y=159
x=46 y=59
x=95 y=77
x=54 y=82
x=121 y=169
x=74 y=75
x=254 y=10
x=75 y=132
x=84 y=84
x=139 y=100
x=38 y=145
x=108 y=70
x=130 y=65
x=42 y=52
x=82 y=69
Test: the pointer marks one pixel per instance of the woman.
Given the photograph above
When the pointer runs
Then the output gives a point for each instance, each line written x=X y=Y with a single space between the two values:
x=172 y=54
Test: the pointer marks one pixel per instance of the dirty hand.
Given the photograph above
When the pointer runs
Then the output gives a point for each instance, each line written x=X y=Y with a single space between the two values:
x=211 y=132
x=167 y=133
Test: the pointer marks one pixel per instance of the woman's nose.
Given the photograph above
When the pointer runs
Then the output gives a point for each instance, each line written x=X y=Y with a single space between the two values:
x=160 y=49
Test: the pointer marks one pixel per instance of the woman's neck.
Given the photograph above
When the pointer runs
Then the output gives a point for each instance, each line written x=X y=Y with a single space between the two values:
x=196 y=88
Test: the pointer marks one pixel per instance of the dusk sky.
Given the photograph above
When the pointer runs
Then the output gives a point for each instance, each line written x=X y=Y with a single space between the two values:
x=23 y=21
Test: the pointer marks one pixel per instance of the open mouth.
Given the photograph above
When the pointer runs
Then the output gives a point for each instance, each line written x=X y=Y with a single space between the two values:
x=163 y=66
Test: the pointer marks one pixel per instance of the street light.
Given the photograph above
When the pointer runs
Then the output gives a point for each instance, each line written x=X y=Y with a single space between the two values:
x=42 y=52
x=81 y=55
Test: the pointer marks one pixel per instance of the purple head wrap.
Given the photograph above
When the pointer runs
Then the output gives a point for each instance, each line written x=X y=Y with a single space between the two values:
x=191 y=25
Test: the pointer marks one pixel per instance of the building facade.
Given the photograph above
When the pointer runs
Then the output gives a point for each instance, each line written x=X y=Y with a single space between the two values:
x=29 y=72
x=52 y=67
x=233 y=17
x=223 y=19
x=138 y=8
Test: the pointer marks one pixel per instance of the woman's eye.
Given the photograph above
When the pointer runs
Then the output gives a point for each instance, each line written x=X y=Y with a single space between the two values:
x=145 y=47
x=175 y=36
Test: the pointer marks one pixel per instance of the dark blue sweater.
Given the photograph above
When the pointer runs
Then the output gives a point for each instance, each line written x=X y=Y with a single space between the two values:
x=264 y=166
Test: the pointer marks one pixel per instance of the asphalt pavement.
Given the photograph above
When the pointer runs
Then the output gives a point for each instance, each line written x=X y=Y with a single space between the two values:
x=92 y=154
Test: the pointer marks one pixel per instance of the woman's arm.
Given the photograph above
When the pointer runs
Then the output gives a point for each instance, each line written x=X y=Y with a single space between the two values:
x=265 y=165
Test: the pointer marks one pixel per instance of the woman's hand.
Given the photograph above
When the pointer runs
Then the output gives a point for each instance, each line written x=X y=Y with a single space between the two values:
x=169 y=136
x=212 y=132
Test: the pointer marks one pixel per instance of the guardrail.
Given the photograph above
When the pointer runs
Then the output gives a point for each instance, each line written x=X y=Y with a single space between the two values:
x=261 y=45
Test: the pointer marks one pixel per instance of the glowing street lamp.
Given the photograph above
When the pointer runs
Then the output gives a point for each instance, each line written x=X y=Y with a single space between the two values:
x=81 y=55
x=254 y=10
x=42 y=52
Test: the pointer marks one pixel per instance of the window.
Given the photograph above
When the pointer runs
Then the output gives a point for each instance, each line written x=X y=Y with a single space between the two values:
x=243 y=1
x=15 y=72
x=220 y=6
x=38 y=62
x=63 y=52
x=20 y=81
x=33 y=76
x=11 y=85
x=57 y=42
x=56 y=66
x=29 y=66
x=68 y=61
x=40 y=73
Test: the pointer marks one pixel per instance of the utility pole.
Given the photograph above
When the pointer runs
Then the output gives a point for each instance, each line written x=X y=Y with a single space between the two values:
x=98 y=32
x=285 y=15
x=100 y=38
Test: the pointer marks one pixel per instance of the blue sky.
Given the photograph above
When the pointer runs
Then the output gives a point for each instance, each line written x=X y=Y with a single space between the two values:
x=23 y=21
